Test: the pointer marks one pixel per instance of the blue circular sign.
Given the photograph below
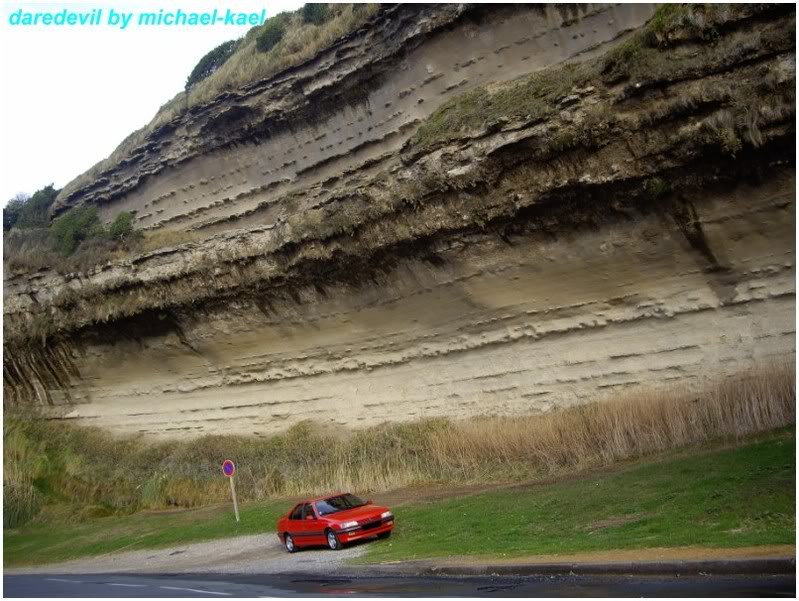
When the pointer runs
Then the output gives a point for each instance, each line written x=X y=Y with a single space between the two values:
x=228 y=468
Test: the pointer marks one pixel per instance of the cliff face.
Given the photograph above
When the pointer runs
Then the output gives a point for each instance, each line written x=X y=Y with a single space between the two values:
x=401 y=228
x=236 y=161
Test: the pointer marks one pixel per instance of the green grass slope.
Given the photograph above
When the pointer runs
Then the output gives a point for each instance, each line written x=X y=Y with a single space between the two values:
x=727 y=497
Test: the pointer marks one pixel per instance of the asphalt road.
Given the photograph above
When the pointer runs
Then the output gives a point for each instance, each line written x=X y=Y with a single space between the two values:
x=320 y=585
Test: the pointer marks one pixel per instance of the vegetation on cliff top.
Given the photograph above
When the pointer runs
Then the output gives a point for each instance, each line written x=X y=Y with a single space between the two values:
x=51 y=463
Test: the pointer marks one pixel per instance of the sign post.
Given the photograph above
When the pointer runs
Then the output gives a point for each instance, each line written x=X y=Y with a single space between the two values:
x=229 y=469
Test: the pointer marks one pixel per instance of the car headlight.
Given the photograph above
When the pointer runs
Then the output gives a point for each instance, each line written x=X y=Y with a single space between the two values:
x=349 y=524
x=387 y=514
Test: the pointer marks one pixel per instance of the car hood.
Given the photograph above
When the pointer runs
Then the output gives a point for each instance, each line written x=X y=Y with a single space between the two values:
x=357 y=513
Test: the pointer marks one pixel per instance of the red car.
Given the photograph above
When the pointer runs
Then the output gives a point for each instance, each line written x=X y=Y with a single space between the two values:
x=333 y=521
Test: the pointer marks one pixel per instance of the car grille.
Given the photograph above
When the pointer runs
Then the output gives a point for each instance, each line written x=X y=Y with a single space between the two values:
x=371 y=525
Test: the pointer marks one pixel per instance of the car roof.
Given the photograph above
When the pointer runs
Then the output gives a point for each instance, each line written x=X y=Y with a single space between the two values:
x=322 y=498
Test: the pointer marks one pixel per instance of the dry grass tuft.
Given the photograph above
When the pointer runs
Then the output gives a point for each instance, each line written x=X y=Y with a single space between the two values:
x=600 y=434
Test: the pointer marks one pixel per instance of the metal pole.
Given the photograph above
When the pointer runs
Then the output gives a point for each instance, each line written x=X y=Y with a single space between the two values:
x=235 y=502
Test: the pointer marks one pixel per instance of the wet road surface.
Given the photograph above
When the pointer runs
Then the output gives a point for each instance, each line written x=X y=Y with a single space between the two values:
x=320 y=585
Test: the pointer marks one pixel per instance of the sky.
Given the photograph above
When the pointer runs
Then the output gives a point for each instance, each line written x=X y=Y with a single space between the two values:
x=71 y=94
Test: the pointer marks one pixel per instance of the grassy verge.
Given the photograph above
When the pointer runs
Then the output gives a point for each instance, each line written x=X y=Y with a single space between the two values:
x=724 y=498
x=53 y=540
x=727 y=497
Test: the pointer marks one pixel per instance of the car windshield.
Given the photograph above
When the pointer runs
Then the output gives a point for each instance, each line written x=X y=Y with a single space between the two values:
x=339 y=503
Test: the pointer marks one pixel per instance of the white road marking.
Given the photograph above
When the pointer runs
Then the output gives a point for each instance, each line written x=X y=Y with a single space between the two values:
x=65 y=580
x=192 y=590
x=122 y=584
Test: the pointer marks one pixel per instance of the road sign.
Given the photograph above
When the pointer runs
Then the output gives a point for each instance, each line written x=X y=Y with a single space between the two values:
x=229 y=468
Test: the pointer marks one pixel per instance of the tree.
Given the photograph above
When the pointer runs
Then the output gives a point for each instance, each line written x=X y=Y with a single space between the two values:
x=314 y=13
x=34 y=212
x=13 y=209
x=211 y=62
x=272 y=32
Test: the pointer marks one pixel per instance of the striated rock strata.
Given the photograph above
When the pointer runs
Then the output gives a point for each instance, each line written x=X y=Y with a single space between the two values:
x=623 y=233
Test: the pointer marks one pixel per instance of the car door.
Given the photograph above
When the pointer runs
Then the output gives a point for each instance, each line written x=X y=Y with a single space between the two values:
x=313 y=527
x=295 y=525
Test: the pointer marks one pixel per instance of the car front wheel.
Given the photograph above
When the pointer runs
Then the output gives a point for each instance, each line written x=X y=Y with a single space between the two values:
x=384 y=534
x=290 y=546
x=332 y=541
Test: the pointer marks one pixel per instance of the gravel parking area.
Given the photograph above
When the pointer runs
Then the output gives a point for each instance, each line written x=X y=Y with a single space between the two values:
x=261 y=553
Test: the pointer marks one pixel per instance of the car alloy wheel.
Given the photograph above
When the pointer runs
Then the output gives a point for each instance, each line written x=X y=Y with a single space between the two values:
x=332 y=540
x=290 y=544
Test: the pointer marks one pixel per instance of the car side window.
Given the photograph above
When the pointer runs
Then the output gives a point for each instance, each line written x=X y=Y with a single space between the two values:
x=308 y=510
x=296 y=513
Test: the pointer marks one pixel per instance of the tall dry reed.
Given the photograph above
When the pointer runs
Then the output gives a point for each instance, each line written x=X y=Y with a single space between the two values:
x=602 y=433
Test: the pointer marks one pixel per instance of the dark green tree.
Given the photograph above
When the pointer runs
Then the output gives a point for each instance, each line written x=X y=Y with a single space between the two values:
x=121 y=228
x=211 y=62
x=314 y=13
x=13 y=210
x=75 y=226
x=272 y=32
x=34 y=212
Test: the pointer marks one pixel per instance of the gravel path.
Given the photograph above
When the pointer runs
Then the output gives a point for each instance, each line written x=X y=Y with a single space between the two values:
x=260 y=553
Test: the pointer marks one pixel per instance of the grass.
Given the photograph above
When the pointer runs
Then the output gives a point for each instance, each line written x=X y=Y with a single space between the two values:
x=54 y=539
x=529 y=98
x=724 y=497
x=30 y=250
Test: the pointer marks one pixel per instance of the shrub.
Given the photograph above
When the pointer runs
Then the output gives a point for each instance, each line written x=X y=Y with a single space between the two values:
x=77 y=224
x=122 y=227
x=271 y=34
x=314 y=13
x=211 y=62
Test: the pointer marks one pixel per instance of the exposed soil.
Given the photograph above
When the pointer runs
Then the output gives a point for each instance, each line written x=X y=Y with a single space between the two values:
x=625 y=555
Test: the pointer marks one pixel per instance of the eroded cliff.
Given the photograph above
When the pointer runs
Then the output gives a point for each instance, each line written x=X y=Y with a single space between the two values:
x=439 y=216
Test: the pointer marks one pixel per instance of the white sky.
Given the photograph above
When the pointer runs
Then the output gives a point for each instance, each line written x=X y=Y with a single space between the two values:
x=71 y=94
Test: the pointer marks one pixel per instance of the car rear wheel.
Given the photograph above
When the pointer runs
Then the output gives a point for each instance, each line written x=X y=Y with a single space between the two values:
x=332 y=541
x=289 y=541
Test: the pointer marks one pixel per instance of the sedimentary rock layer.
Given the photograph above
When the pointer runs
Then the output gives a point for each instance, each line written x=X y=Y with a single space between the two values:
x=497 y=329
x=617 y=235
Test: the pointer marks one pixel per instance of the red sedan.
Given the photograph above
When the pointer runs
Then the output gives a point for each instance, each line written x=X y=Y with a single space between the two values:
x=333 y=521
